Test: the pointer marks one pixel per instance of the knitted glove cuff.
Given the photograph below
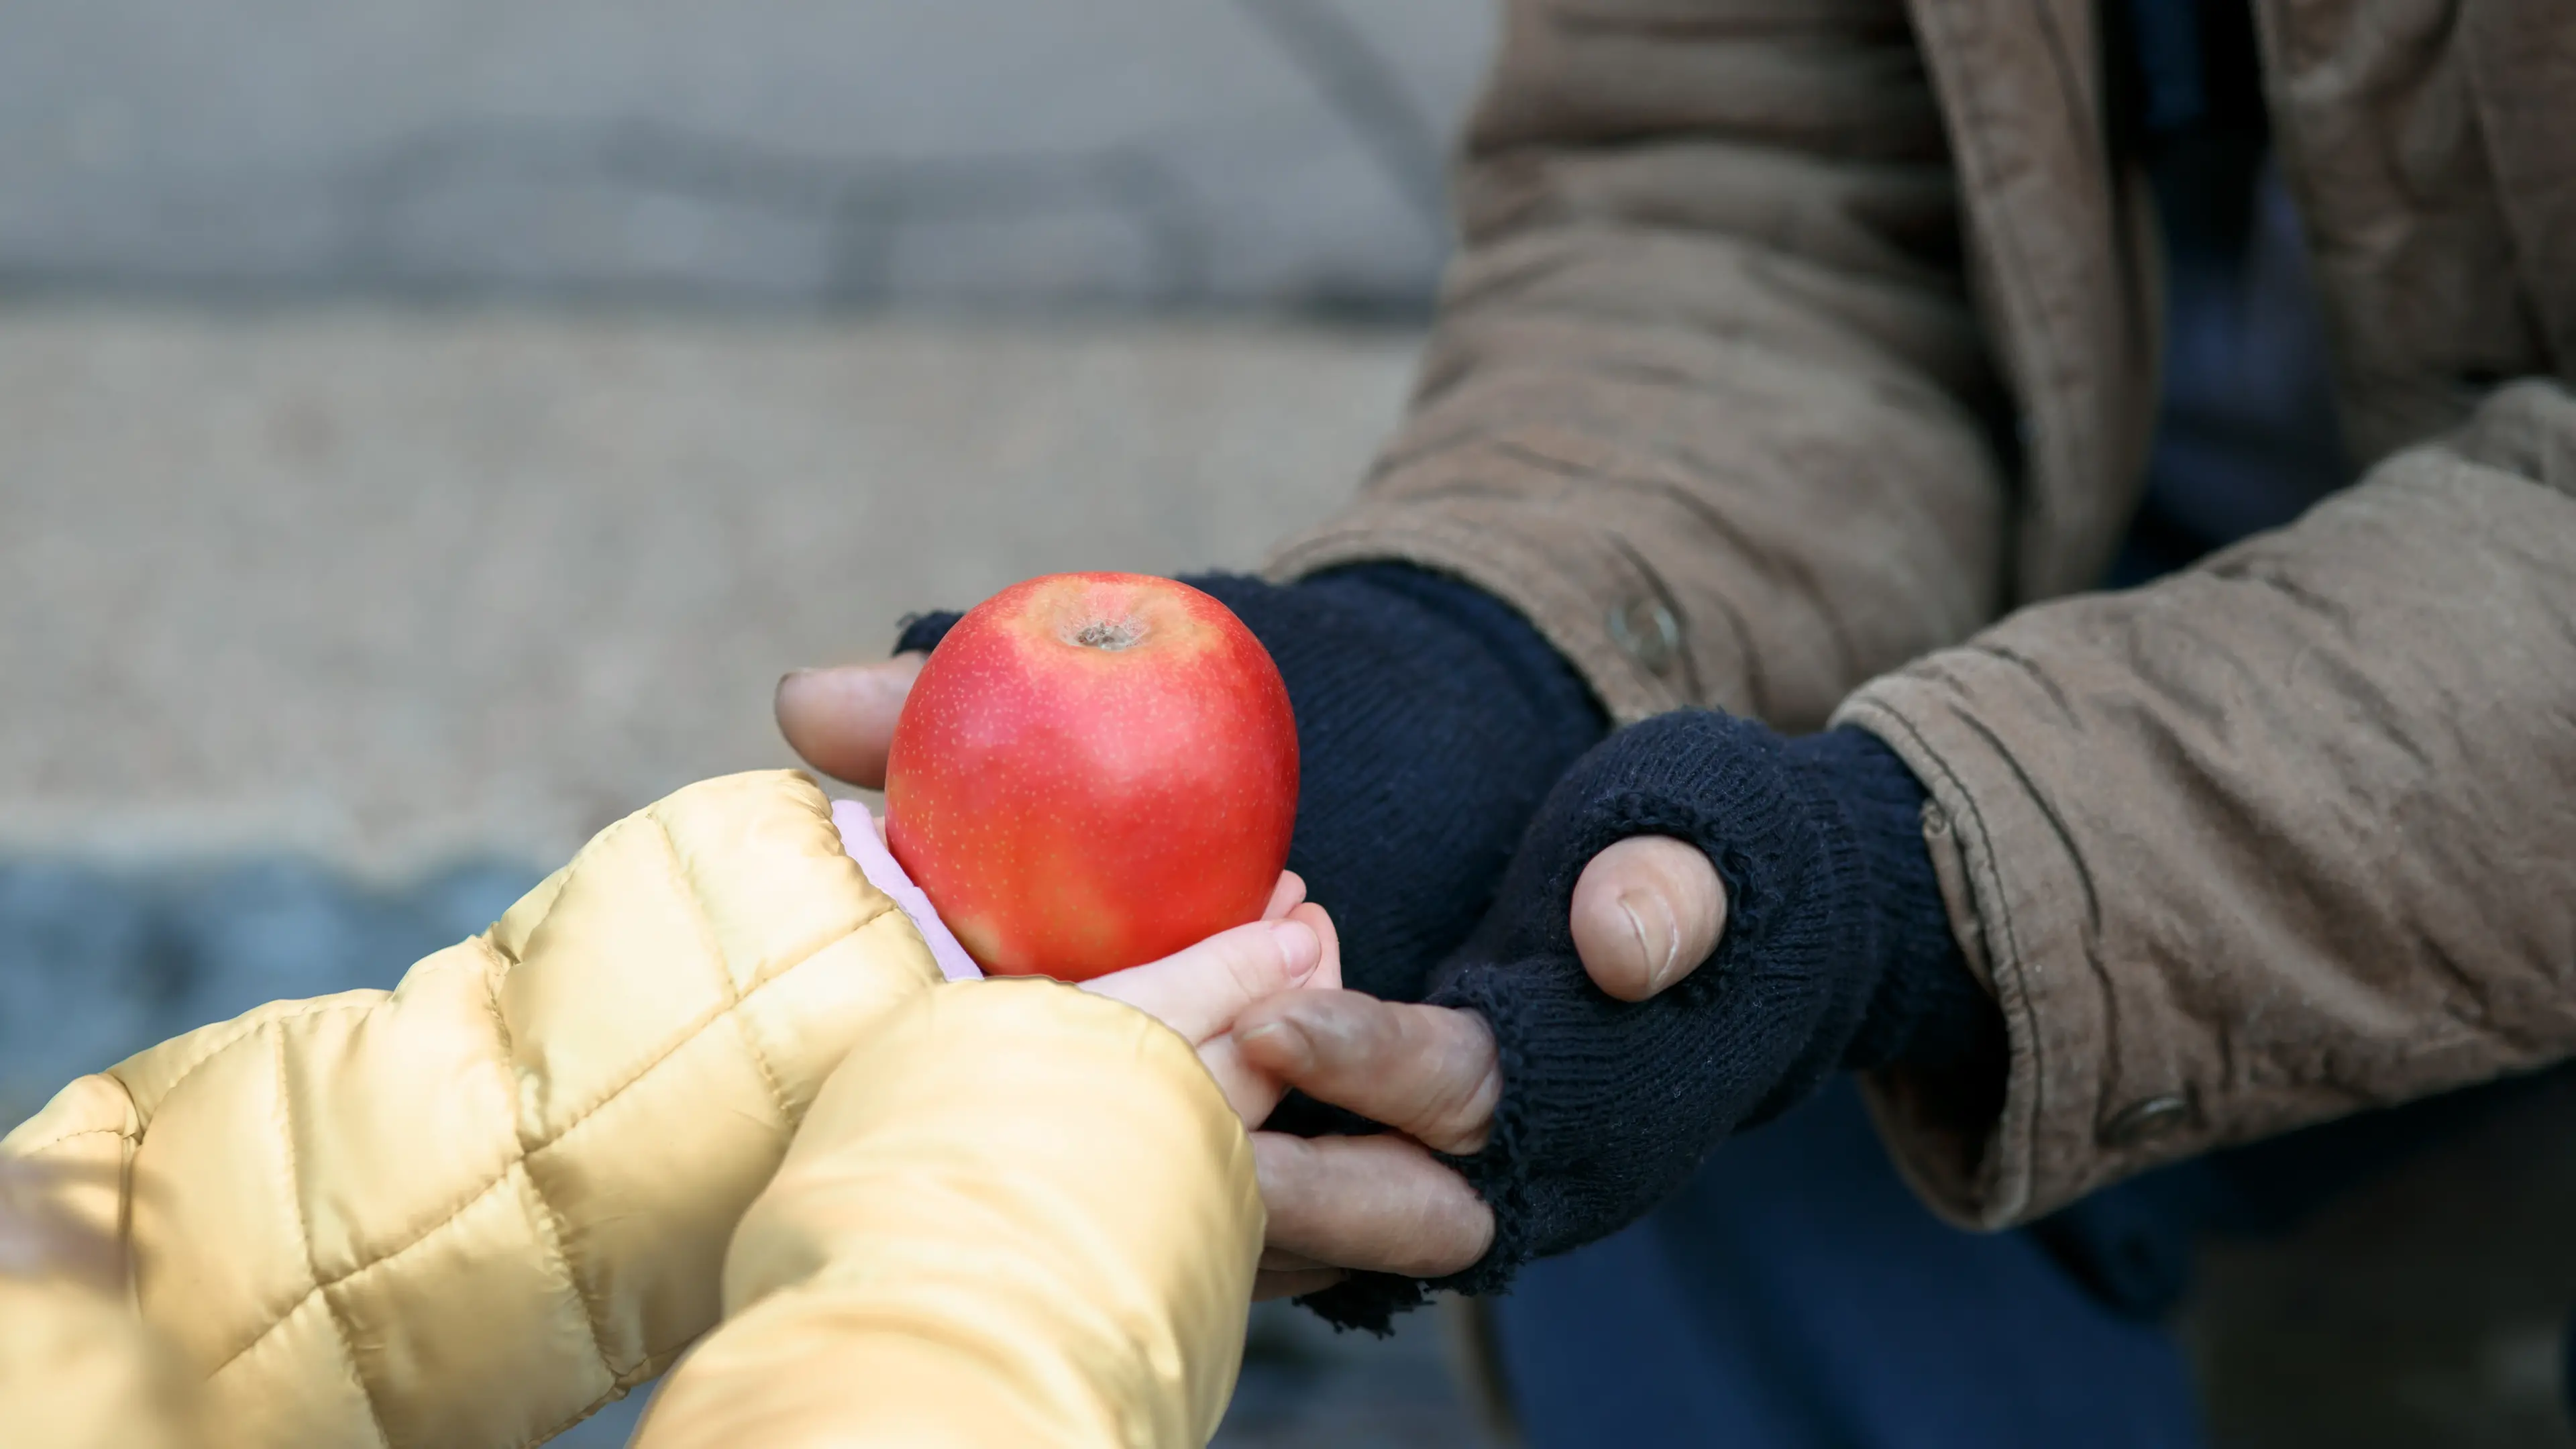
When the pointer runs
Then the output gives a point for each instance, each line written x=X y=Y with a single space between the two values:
x=1608 y=1106
x=923 y=632
x=1928 y=1010
x=1826 y=829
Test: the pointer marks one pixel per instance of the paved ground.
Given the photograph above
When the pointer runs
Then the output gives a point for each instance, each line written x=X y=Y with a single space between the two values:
x=323 y=633
x=390 y=588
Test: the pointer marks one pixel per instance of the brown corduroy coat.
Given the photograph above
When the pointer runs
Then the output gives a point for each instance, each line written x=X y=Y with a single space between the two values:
x=1794 y=342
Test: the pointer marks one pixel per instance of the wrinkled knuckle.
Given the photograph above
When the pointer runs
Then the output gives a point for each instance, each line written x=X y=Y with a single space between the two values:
x=1436 y=1032
x=1464 y=1084
x=1472 y=1235
x=1461 y=1113
x=1283 y=1163
x=1269 y=1010
x=1282 y=1148
x=1346 y=1030
x=1451 y=1234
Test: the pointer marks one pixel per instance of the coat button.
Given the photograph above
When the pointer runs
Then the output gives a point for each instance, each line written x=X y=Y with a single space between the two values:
x=1647 y=632
x=2142 y=1122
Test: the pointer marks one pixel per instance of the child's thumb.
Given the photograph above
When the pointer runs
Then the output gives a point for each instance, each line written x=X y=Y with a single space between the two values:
x=1199 y=991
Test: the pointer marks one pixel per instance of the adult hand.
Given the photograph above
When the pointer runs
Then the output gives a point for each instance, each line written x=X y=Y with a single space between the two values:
x=1197 y=991
x=1431 y=719
x=1832 y=950
x=1645 y=913
x=841 y=720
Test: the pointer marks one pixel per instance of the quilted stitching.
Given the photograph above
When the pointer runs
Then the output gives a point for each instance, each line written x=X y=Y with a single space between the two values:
x=520 y=1155
x=550 y=1223
x=692 y=891
x=734 y=900
x=208 y=1043
x=304 y=1232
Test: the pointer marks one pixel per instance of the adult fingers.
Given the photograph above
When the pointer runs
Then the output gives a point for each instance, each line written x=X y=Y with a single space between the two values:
x=1200 y=991
x=1382 y=1204
x=841 y=720
x=1426 y=1071
x=1293 y=1283
x=1252 y=1093
x=1647 y=911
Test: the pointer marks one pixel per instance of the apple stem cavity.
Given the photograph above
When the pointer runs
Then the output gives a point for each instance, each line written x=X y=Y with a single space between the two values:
x=1093 y=771
x=1109 y=634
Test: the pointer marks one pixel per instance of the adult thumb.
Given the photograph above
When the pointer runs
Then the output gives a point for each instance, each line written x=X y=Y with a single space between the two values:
x=841 y=720
x=1647 y=911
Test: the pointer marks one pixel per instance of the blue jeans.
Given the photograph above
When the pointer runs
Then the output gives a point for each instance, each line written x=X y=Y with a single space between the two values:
x=1797 y=1294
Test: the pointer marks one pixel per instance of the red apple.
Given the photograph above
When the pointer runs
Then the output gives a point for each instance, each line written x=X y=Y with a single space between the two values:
x=1092 y=772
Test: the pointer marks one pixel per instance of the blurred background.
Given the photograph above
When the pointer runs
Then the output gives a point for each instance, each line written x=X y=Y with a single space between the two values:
x=429 y=427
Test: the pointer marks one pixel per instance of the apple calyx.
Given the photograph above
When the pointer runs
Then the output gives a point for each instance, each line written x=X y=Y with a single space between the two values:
x=1110 y=634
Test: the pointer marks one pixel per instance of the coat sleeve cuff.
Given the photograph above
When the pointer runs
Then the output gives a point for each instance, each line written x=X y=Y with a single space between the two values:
x=1601 y=608
x=1018 y=1213
x=1975 y=1165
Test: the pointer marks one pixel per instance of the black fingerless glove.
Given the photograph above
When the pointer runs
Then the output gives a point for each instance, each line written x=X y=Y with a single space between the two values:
x=1431 y=720
x=1836 y=953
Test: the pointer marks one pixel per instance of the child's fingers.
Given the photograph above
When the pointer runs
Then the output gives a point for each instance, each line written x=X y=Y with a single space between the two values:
x=1328 y=971
x=1285 y=896
x=1252 y=1094
x=1199 y=991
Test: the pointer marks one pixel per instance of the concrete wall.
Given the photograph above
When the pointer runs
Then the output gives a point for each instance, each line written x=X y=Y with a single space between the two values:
x=1113 y=152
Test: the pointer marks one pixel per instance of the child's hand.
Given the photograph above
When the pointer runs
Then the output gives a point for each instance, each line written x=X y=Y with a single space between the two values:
x=1197 y=992
x=1200 y=991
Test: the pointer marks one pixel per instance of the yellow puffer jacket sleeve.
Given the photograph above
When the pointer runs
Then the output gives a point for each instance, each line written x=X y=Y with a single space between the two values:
x=78 y=1372
x=1019 y=1214
x=470 y=1211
